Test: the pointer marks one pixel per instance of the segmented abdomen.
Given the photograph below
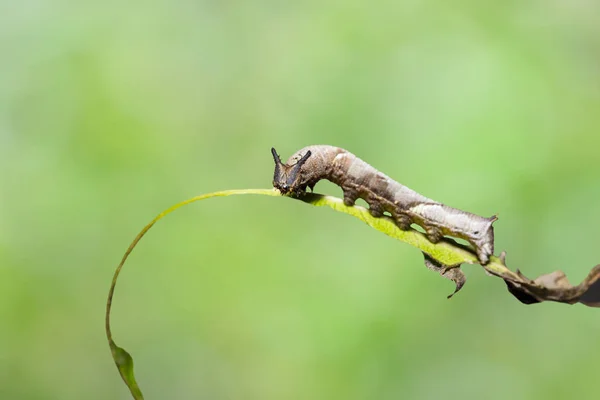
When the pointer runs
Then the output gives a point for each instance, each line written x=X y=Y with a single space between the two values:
x=383 y=194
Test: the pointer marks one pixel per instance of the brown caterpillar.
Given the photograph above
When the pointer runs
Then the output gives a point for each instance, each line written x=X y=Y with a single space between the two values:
x=360 y=180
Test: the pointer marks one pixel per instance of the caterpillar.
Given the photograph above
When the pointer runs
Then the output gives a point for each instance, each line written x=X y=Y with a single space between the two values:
x=383 y=195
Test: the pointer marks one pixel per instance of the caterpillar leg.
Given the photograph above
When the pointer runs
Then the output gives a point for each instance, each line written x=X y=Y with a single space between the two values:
x=300 y=191
x=434 y=234
x=402 y=220
x=484 y=249
x=483 y=256
x=350 y=196
x=376 y=209
x=483 y=252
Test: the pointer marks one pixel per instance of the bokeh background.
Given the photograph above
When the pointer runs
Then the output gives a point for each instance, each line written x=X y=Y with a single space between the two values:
x=112 y=111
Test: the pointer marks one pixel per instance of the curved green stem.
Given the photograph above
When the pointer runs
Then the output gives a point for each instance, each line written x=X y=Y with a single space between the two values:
x=121 y=357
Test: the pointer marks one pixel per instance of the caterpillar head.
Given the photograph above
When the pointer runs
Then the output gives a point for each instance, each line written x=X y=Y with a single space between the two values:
x=288 y=178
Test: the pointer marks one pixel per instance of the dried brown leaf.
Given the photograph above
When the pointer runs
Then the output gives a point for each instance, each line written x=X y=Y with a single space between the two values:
x=452 y=272
x=549 y=287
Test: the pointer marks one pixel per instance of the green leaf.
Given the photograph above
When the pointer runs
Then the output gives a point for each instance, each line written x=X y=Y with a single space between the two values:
x=125 y=365
x=447 y=252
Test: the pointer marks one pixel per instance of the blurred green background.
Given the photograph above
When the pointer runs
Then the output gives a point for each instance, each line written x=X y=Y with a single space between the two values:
x=111 y=112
